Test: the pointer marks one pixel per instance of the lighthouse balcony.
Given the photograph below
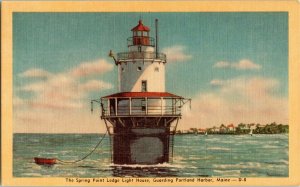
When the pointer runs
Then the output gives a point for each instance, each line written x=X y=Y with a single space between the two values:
x=145 y=55
x=142 y=104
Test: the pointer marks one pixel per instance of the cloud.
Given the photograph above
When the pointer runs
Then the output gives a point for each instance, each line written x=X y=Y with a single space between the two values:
x=35 y=73
x=95 y=85
x=176 y=53
x=91 y=68
x=238 y=100
x=60 y=101
x=17 y=101
x=216 y=82
x=243 y=64
x=222 y=64
x=65 y=90
x=62 y=92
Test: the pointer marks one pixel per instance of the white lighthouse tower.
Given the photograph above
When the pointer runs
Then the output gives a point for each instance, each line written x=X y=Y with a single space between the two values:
x=140 y=116
x=141 y=69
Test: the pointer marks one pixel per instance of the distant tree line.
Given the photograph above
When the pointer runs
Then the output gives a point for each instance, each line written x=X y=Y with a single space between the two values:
x=242 y=128
x=272 y=128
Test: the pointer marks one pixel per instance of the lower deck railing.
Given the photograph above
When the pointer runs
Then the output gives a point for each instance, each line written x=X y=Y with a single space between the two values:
x=113 y=107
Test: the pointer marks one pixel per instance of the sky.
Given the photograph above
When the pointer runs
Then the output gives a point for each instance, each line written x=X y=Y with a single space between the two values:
x=234 y=66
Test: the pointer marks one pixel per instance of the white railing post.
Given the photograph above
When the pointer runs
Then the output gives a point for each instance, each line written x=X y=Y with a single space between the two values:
x=175 y=106
x=146 y=105
x=161 y=106
x=116 y=106
x=108 y=107
x=129 y=105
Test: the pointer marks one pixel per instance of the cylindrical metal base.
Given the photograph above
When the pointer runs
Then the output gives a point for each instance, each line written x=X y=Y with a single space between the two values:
x=141 y=145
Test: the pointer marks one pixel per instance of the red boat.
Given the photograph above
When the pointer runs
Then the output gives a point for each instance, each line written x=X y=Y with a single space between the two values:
x=45 y=161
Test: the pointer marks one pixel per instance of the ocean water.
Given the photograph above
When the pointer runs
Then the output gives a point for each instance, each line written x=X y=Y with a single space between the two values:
x=194 y=156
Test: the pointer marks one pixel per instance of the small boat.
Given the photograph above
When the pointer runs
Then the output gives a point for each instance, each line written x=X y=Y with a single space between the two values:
x=205 y=133
x=250 y=133
x=45 y=161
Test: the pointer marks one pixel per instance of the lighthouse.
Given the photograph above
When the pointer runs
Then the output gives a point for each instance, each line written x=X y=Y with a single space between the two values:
x=142 y=117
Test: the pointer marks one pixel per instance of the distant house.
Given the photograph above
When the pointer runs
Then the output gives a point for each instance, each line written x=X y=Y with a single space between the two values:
x=223 y=128
x=231 y=127
x=187 y=132
x=243 y=126
x=260 y=126
x=201 y=130
x=252 y=126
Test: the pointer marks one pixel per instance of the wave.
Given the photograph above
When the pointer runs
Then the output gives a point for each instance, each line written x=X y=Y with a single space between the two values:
x=219 y=148
x=47 y=153
x=228 y=173
x=212 y=139
x=200 y=157
x=178 y=158
x=250 y=165
x=278 y=162
x=238 y=165
x=284 y=161
x=163 y=165
x=32 y=174
x=270 y=147
x=251 y=142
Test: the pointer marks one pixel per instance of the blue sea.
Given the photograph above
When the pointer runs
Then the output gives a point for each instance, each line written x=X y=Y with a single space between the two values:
x=194 y=156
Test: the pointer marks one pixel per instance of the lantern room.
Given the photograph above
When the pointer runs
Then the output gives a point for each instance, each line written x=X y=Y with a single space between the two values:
x=140 y=36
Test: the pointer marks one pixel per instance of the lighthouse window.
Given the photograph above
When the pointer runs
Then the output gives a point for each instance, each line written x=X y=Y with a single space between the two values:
x=156 y=69
x=139 y=68
x=123 y=69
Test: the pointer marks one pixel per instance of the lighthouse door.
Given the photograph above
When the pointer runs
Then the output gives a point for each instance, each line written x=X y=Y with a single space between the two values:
x=144 y=86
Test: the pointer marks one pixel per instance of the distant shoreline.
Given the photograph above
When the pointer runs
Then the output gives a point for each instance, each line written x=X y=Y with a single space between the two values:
x=240 y=129
x=226 y=134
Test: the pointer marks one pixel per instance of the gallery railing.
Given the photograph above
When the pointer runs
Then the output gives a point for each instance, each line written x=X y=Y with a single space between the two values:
x=114 y=107
x=141 y=55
